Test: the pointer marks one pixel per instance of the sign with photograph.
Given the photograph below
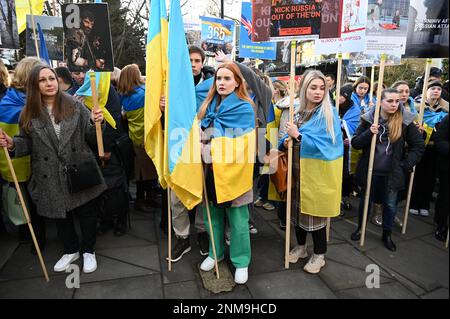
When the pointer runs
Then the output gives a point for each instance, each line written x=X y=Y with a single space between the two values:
x=87 y=37
x=217 y=35
x=353 y=30
x=369 y=60
x=387 y=26
x=248 y=48
x=9 y=36
x=52 y=28
x=428 y=29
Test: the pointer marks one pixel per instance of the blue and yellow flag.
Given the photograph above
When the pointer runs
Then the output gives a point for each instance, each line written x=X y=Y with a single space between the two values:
x=23 y=8
x=102 y=83
x=321 y=162
x=10 y=107
x=232 y=147
x=155 y=83
x=182 y=151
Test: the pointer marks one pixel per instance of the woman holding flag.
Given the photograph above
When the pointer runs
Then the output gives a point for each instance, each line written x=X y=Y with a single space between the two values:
x=436 y=109
x=55 y=130
x=398 y=149
x=317 y=168
x=228 y=123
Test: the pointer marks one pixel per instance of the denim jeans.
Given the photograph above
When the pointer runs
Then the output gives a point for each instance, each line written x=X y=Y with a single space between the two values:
x=383 y=195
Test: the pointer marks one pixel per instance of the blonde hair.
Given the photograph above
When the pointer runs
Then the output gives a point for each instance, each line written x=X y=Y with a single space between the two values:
x=241 y=90
x=22 y=72
x=3 y=74
x=395 y=121
x=130 y=77
x=326 y=109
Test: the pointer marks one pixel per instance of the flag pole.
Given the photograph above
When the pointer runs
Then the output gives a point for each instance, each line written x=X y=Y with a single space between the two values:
x=338 y=94
x=169 y=230
x=290 y=152
x=34 y=30
x=25 y=211
x=98 y=127
x=372 y=83
x=420 y=121
x=211 y=232
x=372 y=149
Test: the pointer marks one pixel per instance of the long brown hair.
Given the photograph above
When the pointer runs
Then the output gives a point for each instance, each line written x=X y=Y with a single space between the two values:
x=395 y=121
x=241 y=90
x=4 y=77
x=34 y=106
x=130 y=77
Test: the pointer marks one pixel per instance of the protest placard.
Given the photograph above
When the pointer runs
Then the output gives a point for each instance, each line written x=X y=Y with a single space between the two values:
x=52 y=28
x=9 y=37
x=217 y=35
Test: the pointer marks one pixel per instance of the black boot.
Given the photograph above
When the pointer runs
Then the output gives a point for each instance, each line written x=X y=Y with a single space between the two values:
x=387 y=240
x=356 y=235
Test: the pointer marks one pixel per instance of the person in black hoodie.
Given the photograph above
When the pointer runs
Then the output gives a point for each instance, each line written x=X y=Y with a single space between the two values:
x=399 y=148
x=441 y=140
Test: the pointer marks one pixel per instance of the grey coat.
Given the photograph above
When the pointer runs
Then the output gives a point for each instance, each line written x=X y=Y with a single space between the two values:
x=48 y=184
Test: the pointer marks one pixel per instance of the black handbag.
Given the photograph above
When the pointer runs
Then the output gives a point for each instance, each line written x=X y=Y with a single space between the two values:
x=82 y=176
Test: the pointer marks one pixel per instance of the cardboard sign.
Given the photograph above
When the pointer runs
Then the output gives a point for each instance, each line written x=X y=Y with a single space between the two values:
x=248 y=48
x=87 y=37
x=52 y=28
x=9 y=36
x=217 y=35
x=353 y=30
x=428 y=29
x=387 y=27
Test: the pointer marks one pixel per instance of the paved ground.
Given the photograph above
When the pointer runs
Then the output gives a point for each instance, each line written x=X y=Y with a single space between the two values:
x=133 y=266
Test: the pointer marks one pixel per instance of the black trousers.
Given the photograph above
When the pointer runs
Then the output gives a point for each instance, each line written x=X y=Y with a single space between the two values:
x=114 y=206
x=319 y=239
x=441 y=215
x=424 y=181
x=87 y=215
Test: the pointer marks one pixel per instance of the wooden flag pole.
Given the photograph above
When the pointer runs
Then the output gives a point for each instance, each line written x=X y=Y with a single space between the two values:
x=98 y=126
x=289 y=177
x=336 y=102
x=372 y=149
x=420 y=121
x=25 y=211
x=33 y=25
x=446 y=243
x=211 y=231
x=54 y=8
x=169 y=230
x=372 y=83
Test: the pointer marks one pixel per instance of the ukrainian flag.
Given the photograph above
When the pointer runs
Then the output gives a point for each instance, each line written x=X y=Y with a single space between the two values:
x=321 y=162
x=430 y=120
x=23 y=8
x=232 y=146
x=10 y=108
x=182 y=152
x=155 y=83
x=102 y=83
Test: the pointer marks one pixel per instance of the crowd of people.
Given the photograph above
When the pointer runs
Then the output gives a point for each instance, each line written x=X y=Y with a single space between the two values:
x=49 y=133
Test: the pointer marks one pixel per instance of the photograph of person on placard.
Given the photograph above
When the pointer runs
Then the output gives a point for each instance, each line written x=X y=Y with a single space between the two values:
x=88 y=42
x=9 y=37
x=388 y=17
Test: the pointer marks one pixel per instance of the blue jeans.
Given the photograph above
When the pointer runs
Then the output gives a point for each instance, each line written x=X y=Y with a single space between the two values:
x=380 y=193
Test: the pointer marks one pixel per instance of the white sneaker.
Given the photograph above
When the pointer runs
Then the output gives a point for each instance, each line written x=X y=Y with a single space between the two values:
x=298 y=252
x=89 y=263
x=424 y=212
x=252 y=229
x=241 y=276
x=414 y=212
x=208 y=264
x=315 y=264
x=227 y=238
x=65 y=262
x=258 y=203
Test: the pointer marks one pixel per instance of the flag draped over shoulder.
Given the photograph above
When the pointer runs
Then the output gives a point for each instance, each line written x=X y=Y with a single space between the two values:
x=352 y=118
x=182 y=137
x=23 y=8
x=10 y=107
x=232 y=146
x=102 y=83
x=43 y=52
x=156 y=69
x=321 y=163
